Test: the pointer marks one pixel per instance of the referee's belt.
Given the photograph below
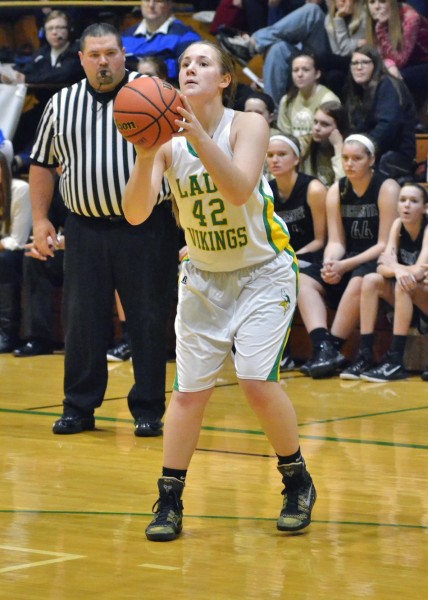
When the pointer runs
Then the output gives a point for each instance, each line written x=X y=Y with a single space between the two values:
x=113 y=219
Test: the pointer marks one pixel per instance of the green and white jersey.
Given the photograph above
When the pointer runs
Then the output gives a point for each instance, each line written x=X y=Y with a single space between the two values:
x=221 y=236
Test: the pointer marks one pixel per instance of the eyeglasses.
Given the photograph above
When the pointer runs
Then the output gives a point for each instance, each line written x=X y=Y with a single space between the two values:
x=56 y=28
x=361 y=63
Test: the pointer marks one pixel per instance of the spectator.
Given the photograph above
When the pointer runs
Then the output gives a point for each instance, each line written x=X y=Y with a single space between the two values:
x=345 y=24
x=55 y=65
x=15 y=227
x=398 y=281
x=299 y=200
x=104 y=253
x=121 y=352
x=401 y=36
x=324 y=154
x=159 y=34
x=153 y=66
x=361 y=208
x=250 y=15
x=297 y=108
x=40 y=279
x=381 y=106
x=280 y=42
x=263 y=104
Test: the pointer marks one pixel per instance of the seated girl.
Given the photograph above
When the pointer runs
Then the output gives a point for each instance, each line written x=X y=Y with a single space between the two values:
x=297 y=108
x=323 y=157
x=399 y=281
x=381 y=106
x=361 y=208
x=300 y=200
x=400 y=34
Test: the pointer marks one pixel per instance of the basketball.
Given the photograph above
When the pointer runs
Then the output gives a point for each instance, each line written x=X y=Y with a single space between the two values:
x=145 y=110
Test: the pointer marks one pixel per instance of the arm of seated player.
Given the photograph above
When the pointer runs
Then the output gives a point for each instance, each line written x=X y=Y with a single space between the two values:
x=388 y=260
x=140 y=197
x=336 y=245
x=420 y=267
x=317 y=193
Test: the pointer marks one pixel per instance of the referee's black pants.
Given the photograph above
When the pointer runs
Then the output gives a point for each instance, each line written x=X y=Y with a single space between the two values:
x=140 y=262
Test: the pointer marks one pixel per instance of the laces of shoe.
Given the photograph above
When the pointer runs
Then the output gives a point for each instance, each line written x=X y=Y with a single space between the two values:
x=292 y=494
x=163 y=506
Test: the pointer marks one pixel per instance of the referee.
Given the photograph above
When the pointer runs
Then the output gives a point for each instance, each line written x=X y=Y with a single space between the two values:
x=104 y=252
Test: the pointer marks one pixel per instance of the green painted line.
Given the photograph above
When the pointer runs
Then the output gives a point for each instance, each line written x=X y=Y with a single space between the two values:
x=207 y=517
x=259 y=432
x=363 y=416
x=368 y=442
x=58 y=414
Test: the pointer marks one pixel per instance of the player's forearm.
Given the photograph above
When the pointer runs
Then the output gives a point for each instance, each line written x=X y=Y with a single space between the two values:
x=235 y=185
x=140 y=195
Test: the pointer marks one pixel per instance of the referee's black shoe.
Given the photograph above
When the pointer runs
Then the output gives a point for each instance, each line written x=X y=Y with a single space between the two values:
x=145 y=428
x=168 y=509
x=68 y=424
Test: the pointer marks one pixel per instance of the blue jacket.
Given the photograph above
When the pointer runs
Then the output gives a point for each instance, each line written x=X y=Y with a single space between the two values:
x=66 y=71
x=166 y=46
x=391 y=120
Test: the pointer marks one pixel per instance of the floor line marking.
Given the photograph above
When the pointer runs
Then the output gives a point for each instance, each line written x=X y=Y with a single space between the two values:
x=160 y=567
x=60 y=557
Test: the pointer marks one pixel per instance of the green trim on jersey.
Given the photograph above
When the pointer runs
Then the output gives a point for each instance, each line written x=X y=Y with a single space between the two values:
x=191 y=149
x=175 y=385
x=274 y=375
x=295 y=267
x=274 y=226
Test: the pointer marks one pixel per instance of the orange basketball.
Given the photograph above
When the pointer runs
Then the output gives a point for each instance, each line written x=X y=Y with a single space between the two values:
x=145 y=110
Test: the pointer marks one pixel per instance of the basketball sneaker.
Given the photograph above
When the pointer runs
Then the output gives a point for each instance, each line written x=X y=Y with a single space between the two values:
x=168 y=509
x=306 y=367
x=239 y=46
x=287 y=363
x=299 y=497
x=354 y=371
x=385 y=372
x=327 y=360
x=120 y=353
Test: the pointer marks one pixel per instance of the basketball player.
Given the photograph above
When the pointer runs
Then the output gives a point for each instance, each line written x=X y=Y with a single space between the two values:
x=238 y=287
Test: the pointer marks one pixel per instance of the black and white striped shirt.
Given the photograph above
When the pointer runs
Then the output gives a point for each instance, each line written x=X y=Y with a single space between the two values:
x=78 y=134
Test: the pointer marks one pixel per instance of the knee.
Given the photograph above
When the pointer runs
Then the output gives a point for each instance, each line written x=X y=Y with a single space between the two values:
x=308 y=287
x=313 y=11
x=400 y=293
x=280 y=51
x=254 y=391
x=371 y=282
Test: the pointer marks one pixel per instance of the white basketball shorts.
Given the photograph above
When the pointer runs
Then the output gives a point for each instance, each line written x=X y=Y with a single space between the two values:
x=251 y=308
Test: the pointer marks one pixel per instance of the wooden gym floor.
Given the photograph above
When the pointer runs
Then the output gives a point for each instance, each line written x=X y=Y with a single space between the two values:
x=73 y=508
